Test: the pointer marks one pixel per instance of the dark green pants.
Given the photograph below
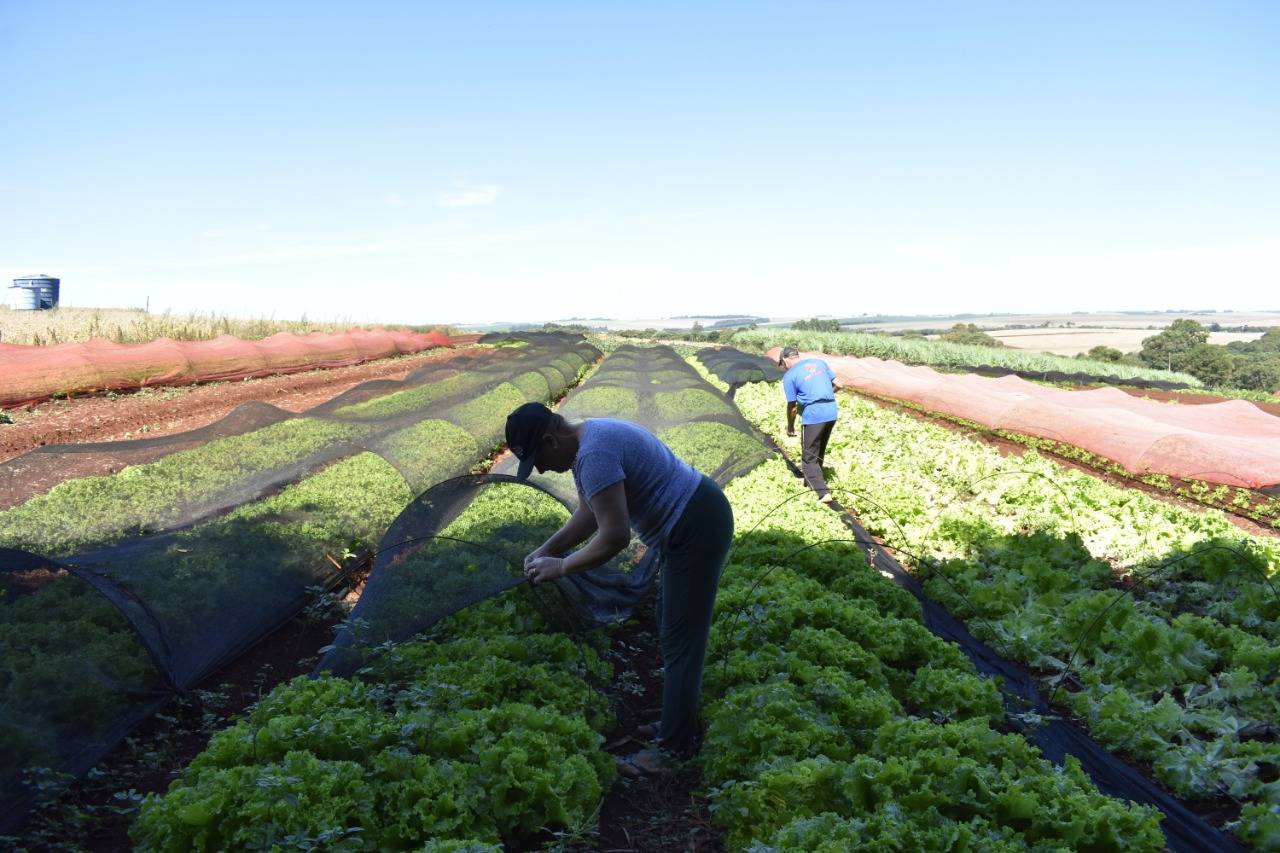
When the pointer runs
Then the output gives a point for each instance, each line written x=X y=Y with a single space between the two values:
x=691 y=566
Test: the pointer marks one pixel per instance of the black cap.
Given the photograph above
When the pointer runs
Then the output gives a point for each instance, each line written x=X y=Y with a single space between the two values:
x=787 y=352
x=525 y=427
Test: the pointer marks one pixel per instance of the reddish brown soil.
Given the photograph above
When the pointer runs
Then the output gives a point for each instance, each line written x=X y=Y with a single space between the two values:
x=164 y=411
x=1008 y=447
x=657 y=813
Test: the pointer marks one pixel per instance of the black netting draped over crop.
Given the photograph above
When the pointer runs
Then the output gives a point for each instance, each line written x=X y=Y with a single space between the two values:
x=436 y=559
x=736 y=368
x=131 y=568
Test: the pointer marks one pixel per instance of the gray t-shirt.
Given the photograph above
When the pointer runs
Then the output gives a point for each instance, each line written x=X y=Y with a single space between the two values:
x=657 y=484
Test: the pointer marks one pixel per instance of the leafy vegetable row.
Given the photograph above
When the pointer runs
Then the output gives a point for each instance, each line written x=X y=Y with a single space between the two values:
x=487 y=731
x=836 y=721
x=209 y=589
x=191 y=483
x=1157 y=626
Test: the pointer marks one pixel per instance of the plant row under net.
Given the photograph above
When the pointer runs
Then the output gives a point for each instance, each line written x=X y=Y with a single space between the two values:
x=177 y=554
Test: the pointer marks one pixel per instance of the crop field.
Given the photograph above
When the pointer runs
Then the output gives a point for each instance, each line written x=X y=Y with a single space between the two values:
x=949 y=356
x=1154 y=625
x=458 y=708
x=134 y=326
x=1072 y=342
x=1147 y=321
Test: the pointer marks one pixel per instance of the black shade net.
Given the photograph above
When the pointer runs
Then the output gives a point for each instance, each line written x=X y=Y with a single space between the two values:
x=736 y=368
x=200 y=544
x=427 y=569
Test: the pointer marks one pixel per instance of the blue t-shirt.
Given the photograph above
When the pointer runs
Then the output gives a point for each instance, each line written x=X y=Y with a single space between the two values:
x=657 y=484
x=809 y=384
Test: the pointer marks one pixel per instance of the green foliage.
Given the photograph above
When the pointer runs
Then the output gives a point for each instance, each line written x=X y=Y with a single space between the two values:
x=1177 y=668
x=1171 y=348
x=1103 y=353
x=831 y=723
x=429 y=452
x=1211 y=364
x=710 y=446
x=477 y=735
x=816 y=325
x=1256 y=373
x=945 y=355
x=151 y=496
x=602 y=402
x=689 y=403
x=73 y=668
x=970 y=335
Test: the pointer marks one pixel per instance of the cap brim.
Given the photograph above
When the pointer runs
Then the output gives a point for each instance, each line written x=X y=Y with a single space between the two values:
x=525 y=469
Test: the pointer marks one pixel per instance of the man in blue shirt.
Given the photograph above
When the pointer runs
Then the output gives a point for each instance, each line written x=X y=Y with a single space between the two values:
x=629 y=480
x=810 y=387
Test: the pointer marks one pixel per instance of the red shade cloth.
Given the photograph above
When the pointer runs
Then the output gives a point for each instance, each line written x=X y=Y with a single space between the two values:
x=29 y=374
x=1234 y=442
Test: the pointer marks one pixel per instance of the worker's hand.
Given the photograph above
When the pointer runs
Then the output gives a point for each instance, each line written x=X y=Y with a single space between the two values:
x=542 y=569
x=540 y=551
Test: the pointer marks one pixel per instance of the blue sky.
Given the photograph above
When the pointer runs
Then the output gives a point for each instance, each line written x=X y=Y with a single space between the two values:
x=495 y=161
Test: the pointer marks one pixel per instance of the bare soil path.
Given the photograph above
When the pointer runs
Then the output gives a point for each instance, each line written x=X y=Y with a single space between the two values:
x=163 y=411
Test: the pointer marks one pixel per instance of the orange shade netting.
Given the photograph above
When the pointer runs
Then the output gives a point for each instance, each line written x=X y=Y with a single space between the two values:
x=1232 y=443
x=29 y=374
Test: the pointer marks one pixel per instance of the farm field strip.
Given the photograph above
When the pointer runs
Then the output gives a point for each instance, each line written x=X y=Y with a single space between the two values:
x=836 y=720
x=783 y=723
x=1070 y=342
x=488 y=730
x=947 y=355
x=628 y=382
x=73 y=665
x=190 y=484
x=1258 y=506
x=1158 y=626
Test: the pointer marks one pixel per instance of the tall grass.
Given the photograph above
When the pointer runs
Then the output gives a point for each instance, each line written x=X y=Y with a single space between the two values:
x=946 y=355
x=133 y=325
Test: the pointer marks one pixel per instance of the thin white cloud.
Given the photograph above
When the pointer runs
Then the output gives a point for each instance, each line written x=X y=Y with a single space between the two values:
x=476 y=196
x=393 y=200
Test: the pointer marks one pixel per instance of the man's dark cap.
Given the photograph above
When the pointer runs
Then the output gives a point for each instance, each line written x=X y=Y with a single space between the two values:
x=525 y=427
x=787 y=352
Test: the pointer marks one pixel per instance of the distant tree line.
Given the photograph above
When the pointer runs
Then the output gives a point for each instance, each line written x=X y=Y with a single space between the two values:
x=1184 y=346
x=816 y=325
x=697 y=333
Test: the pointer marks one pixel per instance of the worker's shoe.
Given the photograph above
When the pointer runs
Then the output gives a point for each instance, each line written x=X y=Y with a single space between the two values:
x=645 y=763
x=825 y=499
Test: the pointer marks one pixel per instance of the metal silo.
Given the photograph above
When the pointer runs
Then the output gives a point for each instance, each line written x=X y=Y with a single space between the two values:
x=24 y=298
x=47 y=286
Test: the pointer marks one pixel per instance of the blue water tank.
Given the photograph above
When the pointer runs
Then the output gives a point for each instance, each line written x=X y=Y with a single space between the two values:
x=24 y=298
x=47 y=286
